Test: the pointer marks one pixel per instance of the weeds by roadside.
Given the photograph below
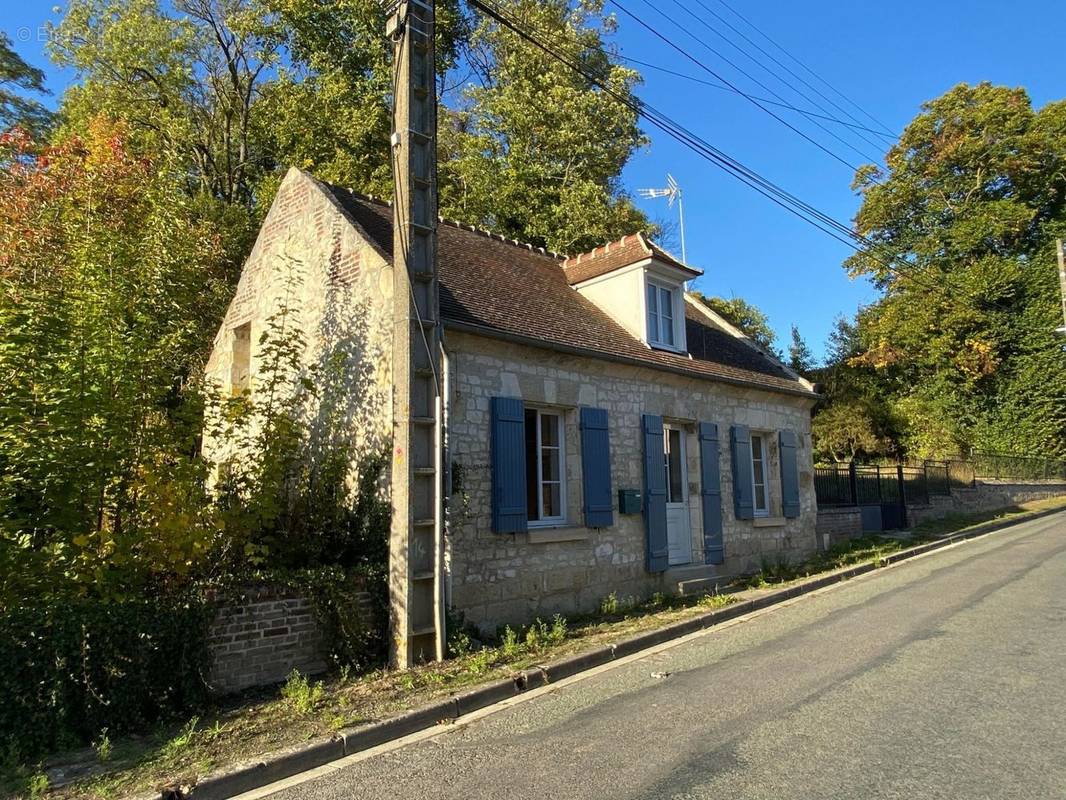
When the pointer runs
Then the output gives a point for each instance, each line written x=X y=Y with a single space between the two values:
x=304 y=709
x=303 y=696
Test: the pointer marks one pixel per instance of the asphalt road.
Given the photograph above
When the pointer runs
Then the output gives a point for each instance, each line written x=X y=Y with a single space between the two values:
x=944 y=677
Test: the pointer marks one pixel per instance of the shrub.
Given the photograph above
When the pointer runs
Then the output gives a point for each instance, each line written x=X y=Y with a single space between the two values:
x=70 y=670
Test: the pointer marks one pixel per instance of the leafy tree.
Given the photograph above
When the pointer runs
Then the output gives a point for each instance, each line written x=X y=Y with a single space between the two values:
x=845 y=431
x=534 y=150
x=186 y=77
x=799 y=354
x=17 y=78
x=963 y=222
x=242 y=89
x=329 y=111
x=109 y=288
x=855 y=419
x=743 y=315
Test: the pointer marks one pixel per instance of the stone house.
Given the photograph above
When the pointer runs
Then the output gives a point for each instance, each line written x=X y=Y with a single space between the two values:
x=604 y=431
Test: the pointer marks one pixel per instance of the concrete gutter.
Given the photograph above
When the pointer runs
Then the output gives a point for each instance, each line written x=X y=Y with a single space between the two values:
x=308 y=756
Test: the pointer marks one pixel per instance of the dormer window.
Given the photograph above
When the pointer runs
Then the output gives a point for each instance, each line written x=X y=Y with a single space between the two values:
x=639 y=285
x=665 y=314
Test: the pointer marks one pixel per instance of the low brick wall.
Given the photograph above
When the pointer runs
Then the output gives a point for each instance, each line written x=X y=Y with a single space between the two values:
x=259 y=641
x=986 y=496
x=836 y=525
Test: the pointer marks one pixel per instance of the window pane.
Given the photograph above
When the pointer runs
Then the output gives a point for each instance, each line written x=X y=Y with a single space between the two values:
x=532 y=510
x=675 y=469
x=653 y=314
x=666 y=305
x=549 y=430
x=758 y=468
x=549 y=464
x=552 y=503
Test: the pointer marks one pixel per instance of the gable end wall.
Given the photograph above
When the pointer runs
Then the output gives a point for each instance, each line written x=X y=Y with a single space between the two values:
x=309 y=254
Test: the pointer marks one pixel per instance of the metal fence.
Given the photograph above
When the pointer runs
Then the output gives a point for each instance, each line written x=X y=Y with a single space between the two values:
x=965 y=471
x=999 y=466
x=914 y=483
x=873 y=484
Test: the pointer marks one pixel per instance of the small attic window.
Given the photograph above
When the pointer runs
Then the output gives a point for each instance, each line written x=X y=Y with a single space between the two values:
x=241 y=370
x=666 y=315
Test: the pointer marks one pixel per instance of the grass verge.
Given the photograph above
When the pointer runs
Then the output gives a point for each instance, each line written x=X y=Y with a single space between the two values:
x=254 y=725
x=955 y=523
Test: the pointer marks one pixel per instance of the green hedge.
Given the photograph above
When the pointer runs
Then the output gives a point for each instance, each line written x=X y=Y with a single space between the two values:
x=69 y=670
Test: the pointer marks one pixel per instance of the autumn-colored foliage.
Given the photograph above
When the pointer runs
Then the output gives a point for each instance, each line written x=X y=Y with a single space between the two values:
x=109 y=289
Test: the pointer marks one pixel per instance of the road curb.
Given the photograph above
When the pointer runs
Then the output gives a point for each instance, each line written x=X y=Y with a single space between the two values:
x=244 y=779
x=363 y=737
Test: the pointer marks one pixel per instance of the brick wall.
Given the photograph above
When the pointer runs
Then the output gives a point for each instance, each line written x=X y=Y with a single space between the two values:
x=258 y=642
x=836 y=525
x=511 y=578
x=984 y=497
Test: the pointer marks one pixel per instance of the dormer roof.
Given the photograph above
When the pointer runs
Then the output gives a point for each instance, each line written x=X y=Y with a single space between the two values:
x=631 y=249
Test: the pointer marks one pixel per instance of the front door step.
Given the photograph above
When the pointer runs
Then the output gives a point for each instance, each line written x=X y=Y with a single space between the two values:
x=696 y=579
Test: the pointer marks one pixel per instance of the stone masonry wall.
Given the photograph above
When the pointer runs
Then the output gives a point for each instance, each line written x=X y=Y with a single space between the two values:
x=983 y=497
x=310 y=257
x=260 y=641
x=497 y=579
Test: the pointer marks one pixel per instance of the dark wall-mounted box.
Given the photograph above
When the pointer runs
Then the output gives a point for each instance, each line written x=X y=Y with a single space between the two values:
x=629 y=501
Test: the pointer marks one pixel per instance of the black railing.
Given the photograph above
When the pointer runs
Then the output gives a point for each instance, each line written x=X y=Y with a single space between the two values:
x=873 y=484
x=1000 y=466
x=870 y=484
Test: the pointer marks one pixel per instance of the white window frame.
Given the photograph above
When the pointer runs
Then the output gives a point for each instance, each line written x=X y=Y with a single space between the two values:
x=765 y=511
x=677 y=304
x=546 y=522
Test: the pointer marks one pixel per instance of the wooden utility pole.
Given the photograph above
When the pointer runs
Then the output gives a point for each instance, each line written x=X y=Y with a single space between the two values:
x=1062 y=283
x=416 y=540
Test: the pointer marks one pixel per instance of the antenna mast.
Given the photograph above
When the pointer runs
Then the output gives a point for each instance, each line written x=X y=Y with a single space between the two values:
x=672 y=192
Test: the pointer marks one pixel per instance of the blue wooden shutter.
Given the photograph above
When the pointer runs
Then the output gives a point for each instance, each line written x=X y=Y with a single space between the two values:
x=790 y=492
x=655 y=493
x=508 y=448
x=743 y=491
x=711 y=494
x=596 y=468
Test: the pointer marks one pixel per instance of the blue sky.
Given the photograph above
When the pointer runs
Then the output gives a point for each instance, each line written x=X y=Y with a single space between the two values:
x=889 y=57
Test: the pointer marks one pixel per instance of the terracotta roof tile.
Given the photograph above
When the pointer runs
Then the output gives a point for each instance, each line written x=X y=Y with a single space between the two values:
x=495 y=287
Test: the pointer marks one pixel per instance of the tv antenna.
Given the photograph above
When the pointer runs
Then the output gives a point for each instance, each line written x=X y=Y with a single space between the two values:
x=672 y=192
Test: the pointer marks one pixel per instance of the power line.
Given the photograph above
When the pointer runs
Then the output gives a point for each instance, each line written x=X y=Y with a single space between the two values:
x=723 y=87
x=810 y=71
x=770 y=70
x=791 y=72
x=767 y=188
x=670 y=43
